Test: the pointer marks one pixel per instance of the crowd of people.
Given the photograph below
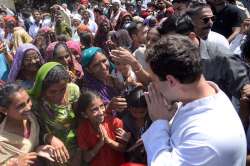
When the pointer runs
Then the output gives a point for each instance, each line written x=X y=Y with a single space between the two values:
x=126 y=82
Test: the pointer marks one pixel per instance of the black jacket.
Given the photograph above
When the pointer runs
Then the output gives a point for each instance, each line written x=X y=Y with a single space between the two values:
x=224 y=68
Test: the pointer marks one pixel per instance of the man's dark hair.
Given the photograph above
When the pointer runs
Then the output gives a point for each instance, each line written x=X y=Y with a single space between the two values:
x=175 y=55
x=168 y=25
x=98 y=10
x=36 y=10
x=151 y=4
x=133 y=28
x=181 y=1
x=188 y=2
x=195 y=7
x=184 y=25
x=129 y=5
x=177 y=24
x=136 y=99
x=10 y=25
x=86 y=39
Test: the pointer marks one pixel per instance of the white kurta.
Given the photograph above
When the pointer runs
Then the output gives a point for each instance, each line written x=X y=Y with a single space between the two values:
x=205 y=132
x=217 y=38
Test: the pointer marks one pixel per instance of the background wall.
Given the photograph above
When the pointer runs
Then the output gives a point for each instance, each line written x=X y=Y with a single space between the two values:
x=8 y=3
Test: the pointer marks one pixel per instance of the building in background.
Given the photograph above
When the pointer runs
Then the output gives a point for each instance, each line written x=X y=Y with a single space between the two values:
x=8 y=3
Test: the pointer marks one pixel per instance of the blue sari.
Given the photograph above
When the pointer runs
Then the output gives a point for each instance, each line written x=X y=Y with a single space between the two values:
x=4 y=68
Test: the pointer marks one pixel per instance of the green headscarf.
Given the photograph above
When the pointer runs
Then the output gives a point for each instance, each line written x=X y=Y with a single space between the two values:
x=40 y=76
x=89 y=53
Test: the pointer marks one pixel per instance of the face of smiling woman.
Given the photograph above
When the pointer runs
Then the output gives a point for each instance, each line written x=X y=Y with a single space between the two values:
x=20 y=107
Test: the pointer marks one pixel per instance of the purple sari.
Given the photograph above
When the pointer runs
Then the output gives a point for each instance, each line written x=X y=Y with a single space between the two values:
x=106 y=92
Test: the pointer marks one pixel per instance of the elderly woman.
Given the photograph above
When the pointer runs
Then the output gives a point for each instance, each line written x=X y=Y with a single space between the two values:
x=98 y=78
x=27 y=61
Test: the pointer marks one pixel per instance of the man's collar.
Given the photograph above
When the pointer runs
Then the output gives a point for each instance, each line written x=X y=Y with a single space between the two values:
x=203 y=49
x=37 y=23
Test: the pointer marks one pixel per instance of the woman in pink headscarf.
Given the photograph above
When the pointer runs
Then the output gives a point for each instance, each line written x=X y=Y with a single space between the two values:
x=75 y=48
x=74 y=68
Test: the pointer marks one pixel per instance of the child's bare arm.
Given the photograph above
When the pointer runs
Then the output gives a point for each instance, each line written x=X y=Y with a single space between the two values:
x=116 y=145
x=88 y=155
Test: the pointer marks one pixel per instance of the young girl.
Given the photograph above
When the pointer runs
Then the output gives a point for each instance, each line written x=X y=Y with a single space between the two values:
x=98 y=133
x=19 y=131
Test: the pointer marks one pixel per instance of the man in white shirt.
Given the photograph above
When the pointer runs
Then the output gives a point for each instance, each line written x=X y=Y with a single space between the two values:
x=34 y=28
x=38 y=23
x=206 y=129
x=235 y=45
x=90 y=23
x=203 y=18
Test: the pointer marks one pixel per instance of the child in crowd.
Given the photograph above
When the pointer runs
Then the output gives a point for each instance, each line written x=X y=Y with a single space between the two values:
x=136 y=121
x=100 y=137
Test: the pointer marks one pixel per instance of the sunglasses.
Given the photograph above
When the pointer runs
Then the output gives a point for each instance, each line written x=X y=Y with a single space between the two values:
x=207 y=19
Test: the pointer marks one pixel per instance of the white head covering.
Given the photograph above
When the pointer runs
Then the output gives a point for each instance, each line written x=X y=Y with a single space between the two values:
x=77 y=17
x=116 y=1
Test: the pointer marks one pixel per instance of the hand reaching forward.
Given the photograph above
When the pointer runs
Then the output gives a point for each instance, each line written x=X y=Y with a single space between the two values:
x=121 y=134
x=61 y=153
x=46 y=151
x=245 y=93
x=26 y=159
x=117 y=104
x=122 y=56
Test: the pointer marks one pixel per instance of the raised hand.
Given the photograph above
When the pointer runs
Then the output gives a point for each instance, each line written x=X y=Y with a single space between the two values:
x=117 y=104
x=121 y=134
x=245 y=26
x=245 y=93
x=123 y=56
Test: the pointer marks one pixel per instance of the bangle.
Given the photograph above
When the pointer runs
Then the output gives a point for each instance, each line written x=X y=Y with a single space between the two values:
x=45 y=137
x=139 y=69
x=12 y=161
